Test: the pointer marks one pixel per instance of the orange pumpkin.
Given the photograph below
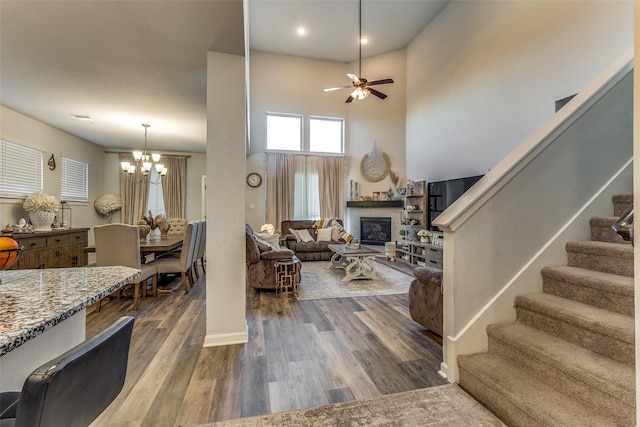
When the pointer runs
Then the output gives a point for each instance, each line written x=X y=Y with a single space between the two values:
x=7 y=258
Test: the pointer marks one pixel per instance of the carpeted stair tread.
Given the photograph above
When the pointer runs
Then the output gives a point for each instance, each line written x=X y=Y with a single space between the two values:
x=601 y=230
x=567 y=365
x=520 y=399
x=620 y=203
x=606 y=333
x=603 y=290
x=616 y=258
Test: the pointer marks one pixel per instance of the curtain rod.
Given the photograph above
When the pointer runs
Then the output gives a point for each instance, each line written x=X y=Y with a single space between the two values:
x=305 y=153
x=162 y=153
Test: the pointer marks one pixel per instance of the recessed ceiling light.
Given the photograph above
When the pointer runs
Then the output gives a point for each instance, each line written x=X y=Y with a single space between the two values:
x=84 y=117
x=301 y=31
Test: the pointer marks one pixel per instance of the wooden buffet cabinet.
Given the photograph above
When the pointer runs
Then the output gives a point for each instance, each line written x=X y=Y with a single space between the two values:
x=52 y=249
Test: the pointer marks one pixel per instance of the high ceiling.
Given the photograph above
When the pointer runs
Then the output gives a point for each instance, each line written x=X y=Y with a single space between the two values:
x=125 y=63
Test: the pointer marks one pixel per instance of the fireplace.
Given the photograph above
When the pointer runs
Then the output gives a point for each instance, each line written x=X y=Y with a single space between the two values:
x=375 y=230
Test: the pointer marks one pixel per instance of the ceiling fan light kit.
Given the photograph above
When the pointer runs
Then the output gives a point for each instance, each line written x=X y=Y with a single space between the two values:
x=361 y=87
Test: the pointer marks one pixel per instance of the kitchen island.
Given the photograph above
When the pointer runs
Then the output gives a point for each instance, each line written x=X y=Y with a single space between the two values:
x=43 y=314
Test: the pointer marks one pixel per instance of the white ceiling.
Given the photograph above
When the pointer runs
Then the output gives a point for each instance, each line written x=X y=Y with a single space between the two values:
x=125 y=63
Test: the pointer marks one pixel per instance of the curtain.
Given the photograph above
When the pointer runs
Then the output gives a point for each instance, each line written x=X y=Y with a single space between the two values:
x=331 y=186
x=304 y=187
x=281 y=176
x=173 y=186
x=134 y=196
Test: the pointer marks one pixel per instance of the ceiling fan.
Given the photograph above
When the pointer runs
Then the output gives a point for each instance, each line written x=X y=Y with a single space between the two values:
x=361 y=86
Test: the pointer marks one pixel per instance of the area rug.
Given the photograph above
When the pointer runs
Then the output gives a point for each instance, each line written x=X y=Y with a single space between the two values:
x=446 y=405
x=318 y=281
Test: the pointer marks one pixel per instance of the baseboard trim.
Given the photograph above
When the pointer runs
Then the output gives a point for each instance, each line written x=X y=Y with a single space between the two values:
x=227 y=339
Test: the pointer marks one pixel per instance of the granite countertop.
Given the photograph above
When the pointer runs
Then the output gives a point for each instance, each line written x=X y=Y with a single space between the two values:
x=32 y=301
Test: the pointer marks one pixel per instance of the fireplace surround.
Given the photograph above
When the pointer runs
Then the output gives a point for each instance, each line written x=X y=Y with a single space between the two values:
x=375 y=230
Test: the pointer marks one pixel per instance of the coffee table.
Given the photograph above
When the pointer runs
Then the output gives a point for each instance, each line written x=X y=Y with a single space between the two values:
x=357 y=263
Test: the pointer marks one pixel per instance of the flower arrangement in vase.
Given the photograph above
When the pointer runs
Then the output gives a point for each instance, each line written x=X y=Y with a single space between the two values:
x=159 y=221
x=42 y=210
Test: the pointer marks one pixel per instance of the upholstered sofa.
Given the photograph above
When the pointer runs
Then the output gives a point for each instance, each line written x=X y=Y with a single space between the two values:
x=425 y=298
x=261 y=271
x=306 y=251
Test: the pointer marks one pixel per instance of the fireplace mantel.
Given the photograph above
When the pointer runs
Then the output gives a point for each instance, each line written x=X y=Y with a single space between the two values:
x=374 y=204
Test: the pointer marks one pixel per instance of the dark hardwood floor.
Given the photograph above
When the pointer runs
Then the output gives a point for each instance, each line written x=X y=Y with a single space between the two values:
x=300 y=354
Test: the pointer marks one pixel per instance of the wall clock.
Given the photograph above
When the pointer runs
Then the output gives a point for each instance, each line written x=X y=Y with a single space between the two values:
x=254 y=180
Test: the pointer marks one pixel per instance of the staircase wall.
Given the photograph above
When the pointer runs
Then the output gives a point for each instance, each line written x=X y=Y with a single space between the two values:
x=517 y=219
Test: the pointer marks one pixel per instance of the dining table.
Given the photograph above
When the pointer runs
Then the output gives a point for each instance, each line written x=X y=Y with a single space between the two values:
x=158 y=244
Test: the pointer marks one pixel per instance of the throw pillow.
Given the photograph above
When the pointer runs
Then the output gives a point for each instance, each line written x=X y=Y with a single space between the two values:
x=262 y=245
x=296 y=234
x=272 y=239
x=335 y=233
x=324 y=234
x=305 y=236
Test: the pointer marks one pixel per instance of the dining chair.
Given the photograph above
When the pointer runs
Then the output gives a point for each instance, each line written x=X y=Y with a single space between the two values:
x=73 y=389
x=200 y=245
x=119 y=244
x=183 y=263
x=177 y=225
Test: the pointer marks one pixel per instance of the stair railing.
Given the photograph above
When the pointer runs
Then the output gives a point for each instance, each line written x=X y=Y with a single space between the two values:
x=624 y=225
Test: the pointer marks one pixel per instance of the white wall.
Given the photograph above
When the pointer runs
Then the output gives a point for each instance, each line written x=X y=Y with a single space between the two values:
x=484 y=75
x=287 y=84
x=226 y=137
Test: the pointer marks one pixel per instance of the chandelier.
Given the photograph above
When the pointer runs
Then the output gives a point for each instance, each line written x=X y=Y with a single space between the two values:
x=143 y=162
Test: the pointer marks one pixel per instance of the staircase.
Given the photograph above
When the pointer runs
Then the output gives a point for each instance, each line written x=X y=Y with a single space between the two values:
x=568 y=359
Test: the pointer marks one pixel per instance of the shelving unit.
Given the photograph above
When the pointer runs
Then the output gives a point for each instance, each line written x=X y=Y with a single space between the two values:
x=418 y=200
x=421 y=254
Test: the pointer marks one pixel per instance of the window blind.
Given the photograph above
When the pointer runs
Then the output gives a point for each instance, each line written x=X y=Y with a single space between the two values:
x=75 y=180
x=20 y=170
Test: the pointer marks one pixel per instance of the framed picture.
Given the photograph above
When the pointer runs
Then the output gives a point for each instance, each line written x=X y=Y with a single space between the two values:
x=376 y=196
x=403 y=191
x=383 y=196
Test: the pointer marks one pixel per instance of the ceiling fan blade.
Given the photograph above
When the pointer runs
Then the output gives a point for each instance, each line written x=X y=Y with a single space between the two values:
x=376 y=93
x=380 y=82
x=354 y=78
x=349 y=99
x=330 y=89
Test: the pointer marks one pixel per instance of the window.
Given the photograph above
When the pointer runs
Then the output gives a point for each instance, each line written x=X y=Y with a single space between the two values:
x=156 y=198
x=284 y=132
x=326 y=135
x=20 y=170
x=75 y=180
x=306 y=203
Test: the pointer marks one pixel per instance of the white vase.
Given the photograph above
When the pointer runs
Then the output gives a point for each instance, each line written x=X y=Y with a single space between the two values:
x=424 y=240
x=42 y=220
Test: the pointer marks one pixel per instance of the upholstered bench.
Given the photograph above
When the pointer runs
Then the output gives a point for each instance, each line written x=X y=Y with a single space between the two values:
x=425 y=298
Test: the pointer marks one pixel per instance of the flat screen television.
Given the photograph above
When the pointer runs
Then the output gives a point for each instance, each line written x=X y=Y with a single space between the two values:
x=443 y=193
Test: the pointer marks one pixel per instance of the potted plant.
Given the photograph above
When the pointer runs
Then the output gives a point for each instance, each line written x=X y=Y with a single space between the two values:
x=403 y=233
x=42 y=210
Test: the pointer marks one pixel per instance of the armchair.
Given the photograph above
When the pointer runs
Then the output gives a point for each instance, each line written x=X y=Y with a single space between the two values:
x=261 y=272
